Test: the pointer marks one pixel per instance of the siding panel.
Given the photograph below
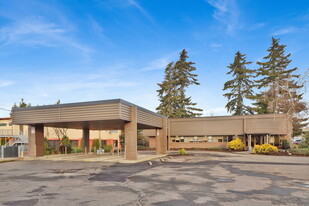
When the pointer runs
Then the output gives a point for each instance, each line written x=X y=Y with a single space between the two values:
x=275 y=125
x=148 y=119
x=65 y=114
x=125 y=112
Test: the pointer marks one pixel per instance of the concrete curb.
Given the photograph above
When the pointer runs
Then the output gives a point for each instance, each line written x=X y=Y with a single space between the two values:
x=9 y=160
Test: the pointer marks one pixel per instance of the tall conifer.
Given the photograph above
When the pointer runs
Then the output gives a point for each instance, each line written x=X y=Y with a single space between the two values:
x=281 y=88
x=240 y=87
x=178 y=77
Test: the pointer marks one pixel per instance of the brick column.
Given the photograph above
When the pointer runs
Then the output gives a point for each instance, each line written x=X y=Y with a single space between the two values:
x=36 y=140
x=130 y=133
x=161 y=138
x=86 y=140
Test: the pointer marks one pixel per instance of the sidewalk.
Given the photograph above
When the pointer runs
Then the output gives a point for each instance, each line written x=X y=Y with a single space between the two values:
x=96 y=158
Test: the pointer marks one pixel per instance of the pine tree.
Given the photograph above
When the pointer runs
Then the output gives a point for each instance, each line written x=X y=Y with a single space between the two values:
x=167 y=93
x=21 y=104
x=272 y=72
x=281 y=86
x=240 y=87
x=178 y=77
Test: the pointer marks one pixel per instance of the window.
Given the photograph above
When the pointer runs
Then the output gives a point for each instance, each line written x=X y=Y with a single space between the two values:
x=3 y=125
x=54 y=143
x=113 y=131
x=74 y=143
x=104 y=142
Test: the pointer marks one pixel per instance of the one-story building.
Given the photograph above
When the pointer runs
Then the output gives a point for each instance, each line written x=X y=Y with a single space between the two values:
x=9 y=131
x=117 y=114
x=216 y=131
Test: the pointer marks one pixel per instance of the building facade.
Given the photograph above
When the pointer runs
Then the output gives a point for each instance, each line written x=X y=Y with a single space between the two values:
x=117 y=114
x=54 y=135
x=215 y=132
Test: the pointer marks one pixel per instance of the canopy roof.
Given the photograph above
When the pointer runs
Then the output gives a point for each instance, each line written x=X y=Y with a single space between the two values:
x=95 y=115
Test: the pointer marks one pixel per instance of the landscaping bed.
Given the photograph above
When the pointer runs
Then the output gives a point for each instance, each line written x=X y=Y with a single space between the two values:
x=300 y=152
x=175 y=155
x=294 y=152
x=219 y=149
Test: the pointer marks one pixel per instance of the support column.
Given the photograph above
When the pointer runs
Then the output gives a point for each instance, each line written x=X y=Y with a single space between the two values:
x=86 y=139
x=130 y=133
x=254 y=140
x=168 y=135
x=249 y=143
x=261 y=139
x=161 y=138
x=36 y=140
x=267 y=139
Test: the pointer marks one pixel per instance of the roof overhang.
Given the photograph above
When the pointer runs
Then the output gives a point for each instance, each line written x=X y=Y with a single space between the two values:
x=95 y=115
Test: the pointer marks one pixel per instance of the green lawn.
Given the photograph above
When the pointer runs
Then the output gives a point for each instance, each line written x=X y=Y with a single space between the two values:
x=299 y=151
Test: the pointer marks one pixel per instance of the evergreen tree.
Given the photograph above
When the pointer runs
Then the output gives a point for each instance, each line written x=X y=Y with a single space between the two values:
x=272 y=73
x=281 y=86
x=167 y=93
x=21 y=104
x=240 y=87
x=178 y=77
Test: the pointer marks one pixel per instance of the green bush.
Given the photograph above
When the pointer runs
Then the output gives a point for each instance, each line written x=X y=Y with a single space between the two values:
x=65 y=143
x=305 y=141
x=141 y=147
x=77 y=150
x=235 y=144
x=96 y=143
x=265 y=149
x=2 y=141
x=107 y=148
x=182 y=152
x=285 y=144
x=47 y=148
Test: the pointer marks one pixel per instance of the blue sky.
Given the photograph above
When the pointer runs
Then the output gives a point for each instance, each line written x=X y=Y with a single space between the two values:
x=103 y=49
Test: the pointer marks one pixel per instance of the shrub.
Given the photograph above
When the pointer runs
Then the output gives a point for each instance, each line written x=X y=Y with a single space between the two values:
x=107 y=148
x=141 y=147
x=96 y=143
x=47 y=148
x=305 y=141
x=182 y=152
x=257 y=149
x=65 y=143
x=2 y=141
x=77 y=150
x=235 y=144
x=285 y=144
x=265 y=149
x=295 y=146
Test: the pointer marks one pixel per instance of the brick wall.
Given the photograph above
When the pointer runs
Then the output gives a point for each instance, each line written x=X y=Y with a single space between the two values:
x=183 y=145
x=152 y=142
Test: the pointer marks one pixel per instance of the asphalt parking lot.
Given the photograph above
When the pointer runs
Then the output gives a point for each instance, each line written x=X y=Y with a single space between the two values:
x=203 y=178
